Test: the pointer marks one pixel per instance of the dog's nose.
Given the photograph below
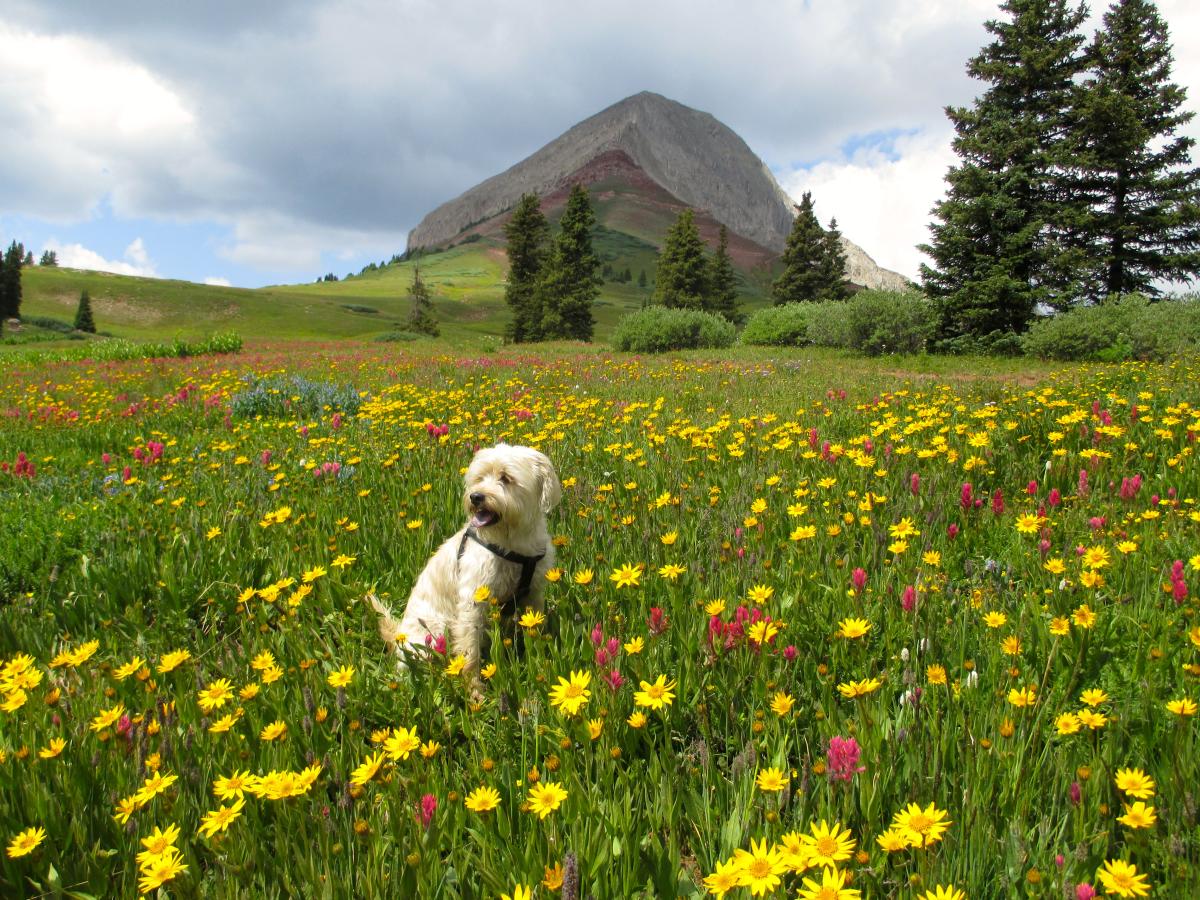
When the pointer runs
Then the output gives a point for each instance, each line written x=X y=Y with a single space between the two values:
x=476 y=499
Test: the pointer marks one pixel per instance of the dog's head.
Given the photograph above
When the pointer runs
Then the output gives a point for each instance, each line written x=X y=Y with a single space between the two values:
x=510 y=487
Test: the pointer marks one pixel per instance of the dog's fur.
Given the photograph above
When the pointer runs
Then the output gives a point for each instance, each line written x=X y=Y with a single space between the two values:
x=507 y=493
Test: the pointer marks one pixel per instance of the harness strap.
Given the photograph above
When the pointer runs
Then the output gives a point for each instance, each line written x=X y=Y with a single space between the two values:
x=527 y=564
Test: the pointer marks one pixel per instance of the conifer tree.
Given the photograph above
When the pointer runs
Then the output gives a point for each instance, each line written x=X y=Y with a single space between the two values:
x=1142 y=221
x=570 y=282
x=997 y=250
x=803 y=277
x=682 y=279
x=722 y=281
x=526 y=232
x=49 y=258
x=420 y=317
x=833 y=266
x=83 y=314
x=10 y=281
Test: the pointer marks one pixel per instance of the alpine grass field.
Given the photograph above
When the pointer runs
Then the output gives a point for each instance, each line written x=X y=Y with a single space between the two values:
x=818 y=627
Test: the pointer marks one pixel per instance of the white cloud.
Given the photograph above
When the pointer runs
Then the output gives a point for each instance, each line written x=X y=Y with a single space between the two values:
x=217 y=281
x=275 y=242
x=881 y=200
x=136 y=260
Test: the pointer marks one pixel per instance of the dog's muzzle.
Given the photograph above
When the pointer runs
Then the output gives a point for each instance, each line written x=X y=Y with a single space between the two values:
x=482 y=515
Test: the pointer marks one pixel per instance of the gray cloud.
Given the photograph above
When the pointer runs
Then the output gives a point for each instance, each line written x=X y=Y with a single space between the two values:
x=357 y=117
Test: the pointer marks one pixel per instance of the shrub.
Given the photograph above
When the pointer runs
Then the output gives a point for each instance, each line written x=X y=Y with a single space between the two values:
x=280 y=397
x=879 y=322
x=398 y=335
x=1167 y=328
x=828 y=325
x=656 y=329
x=779 y=326
x=1087 y=333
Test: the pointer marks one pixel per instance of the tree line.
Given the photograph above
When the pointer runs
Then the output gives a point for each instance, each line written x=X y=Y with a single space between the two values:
x=1073 y=183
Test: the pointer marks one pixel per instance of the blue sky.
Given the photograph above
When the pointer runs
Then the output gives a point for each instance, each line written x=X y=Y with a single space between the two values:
x=271 y=143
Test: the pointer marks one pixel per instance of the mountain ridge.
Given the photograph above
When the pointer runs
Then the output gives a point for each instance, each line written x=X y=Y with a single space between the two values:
x=690 y=154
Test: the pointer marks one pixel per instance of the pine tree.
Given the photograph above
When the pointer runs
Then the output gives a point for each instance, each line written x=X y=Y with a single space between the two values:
x=682 y=280
x=49 y=258
x=997 y=247
x=10 y=281
x=1143 y=218
x=833 y=266
x=642 y=279
x=83 y=315
x=526 y=232
x=569 y=283
x=722 y=280
x=803 y=277
x=420 y=317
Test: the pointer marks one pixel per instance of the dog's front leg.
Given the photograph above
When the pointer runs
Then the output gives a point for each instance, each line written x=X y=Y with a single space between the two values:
x=466 y=634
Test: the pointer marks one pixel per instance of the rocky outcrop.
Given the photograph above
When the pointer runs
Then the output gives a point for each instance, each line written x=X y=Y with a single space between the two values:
x=686 y=152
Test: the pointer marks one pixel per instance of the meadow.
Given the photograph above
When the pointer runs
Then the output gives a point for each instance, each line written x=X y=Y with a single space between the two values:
x=820 y=627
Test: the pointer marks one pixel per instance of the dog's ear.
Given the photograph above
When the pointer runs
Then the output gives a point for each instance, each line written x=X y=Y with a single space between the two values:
x=551 y=488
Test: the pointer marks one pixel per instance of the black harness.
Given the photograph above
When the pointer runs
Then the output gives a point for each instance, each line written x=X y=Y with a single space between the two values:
x=527 y=563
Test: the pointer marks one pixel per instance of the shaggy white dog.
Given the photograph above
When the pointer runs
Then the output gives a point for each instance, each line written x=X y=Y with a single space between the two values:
x=504 y=546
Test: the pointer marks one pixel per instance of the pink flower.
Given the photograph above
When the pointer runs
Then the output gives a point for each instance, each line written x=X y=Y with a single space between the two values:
x=843 y=759
x=914 y=483
x=908 y=602
x=597 y=635
x=1055 y=497
x=952 y=531
x=1084 y=892
x=658 y=621
x=428 y=808
x=614 y=680
x=965 y=499
x=1031 y=488
x=998 y=502
x=789 y=652
x=858 y=578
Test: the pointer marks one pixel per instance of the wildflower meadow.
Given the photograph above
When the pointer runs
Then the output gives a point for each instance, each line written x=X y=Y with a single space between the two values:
x=816 y=630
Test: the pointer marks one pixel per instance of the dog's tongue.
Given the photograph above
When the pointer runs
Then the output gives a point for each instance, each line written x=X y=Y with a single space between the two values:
x=482 y=518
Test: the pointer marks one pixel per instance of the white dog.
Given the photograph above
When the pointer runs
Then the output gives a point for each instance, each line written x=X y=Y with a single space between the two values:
x=504 y=546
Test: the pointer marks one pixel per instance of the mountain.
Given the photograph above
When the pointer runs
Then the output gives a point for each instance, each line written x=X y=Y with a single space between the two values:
x=657 y=157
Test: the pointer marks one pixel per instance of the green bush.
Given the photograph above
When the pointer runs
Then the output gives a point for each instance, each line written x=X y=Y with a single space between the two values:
x=656 y=329
x=881 y=322
x=1129 y=327
x=398 y=335
x=779 y=326
x=828 y=325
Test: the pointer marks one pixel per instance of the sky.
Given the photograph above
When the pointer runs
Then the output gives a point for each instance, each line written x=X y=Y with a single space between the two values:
x=267 y=143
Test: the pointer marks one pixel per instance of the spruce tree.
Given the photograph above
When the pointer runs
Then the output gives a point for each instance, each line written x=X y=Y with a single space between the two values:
x=803 y=277
x=10 y=281
x=833 y=266
x=569 y=283
x=722 y=281
x=420 y=317
x=49 y=258
x=997 y=247
x=1142 y=222
x=526 y=232
x=83 y=314
x=682 y=280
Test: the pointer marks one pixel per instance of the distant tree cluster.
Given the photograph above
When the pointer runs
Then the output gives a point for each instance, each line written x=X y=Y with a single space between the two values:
x=814 y=264
x=1073 y=185
x=552 y=283
x=687 y=278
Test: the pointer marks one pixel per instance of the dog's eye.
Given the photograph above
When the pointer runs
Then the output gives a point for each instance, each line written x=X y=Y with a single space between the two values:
x=504 y=479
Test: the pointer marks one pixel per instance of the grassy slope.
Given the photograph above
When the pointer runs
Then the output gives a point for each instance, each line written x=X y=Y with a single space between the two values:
x=467 y=282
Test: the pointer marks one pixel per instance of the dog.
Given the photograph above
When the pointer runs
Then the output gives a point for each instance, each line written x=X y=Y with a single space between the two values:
x=505 y=546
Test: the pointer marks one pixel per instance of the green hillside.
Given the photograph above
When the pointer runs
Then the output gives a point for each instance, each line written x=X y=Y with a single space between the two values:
x=467 y=281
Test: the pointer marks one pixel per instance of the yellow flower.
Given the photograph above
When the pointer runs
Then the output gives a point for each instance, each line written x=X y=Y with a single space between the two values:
x=828 y=844
x=430 y=748
x=724 y=879
x=482 y=799
x=122 y=672
x=669 y=538
x=25 y=842
x=234 y=786
x=656 y=695
x=313 y=574
x=1060 y=626
x=158 y=871
x=626 y=576
x=1029 y=523
x=781 y=703
x=634 y=645
x=153 y=786
x=343 y=560
x=173 y=660
x=1022 y=697
x=1122 y=878
x=935 y=674
x=584 y=576
x=1135 y=783
x=531 y=619
x=220 y=819
x=595 y=727
x=636 y=719
x=771 y=780
x=1054 y=566
x=545 y=797
x=760 y=867
x=921 y=827
x=760 y=593
x=54 y=749
x=1093 y=697
x=553 y=877
x=1067 y=723
x=520 y=892
x=1084 y=617
x=402 y=742
x=456 y=665
x=762 y=631
x=944 y=892
x=932 y=558
x=277 y=730
x=1182 y=707
x=368 y=769
x=1138 y=815
x=570 y=696
x=851 y=628
x=832 y=887
x=339 y=678
x=852 y=689
x=215 y=695
x=716 y=607
x=1092 y=719
x=107 y=717
x=489 y=670
x=671 y=572
x=995 y=620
